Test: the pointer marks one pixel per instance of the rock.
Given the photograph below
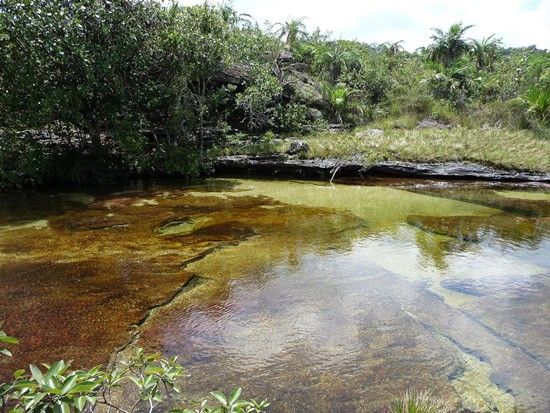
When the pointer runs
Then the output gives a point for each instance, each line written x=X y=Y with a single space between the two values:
x=285 y=56
x=321 y=168
x=297 y=147
x=301 y=88
x=370 y=133
x=432 y=123
x=314 y=115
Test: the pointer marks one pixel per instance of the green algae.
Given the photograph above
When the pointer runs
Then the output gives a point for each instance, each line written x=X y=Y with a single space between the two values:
x=527 y=195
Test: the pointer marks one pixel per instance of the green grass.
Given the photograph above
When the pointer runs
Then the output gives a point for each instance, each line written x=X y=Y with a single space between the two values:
x=413 y=402
x=508 y=149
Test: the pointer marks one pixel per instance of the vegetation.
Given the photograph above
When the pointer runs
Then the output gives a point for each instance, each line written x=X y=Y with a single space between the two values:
x=93 y=90
x=520 y=150
x=146 y=382
x=413 y=402
x=143 y=383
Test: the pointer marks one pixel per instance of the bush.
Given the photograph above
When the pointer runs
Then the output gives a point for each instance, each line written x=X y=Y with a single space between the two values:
x=291 y=117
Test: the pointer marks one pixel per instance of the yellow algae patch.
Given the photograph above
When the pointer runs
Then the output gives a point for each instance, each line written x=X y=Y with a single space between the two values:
x=380 y=206
x=527 y=195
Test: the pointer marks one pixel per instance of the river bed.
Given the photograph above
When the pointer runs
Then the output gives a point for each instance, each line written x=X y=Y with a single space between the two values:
x=317 y=297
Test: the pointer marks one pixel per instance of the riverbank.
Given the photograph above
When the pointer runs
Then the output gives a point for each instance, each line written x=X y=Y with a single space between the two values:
x=453 y=153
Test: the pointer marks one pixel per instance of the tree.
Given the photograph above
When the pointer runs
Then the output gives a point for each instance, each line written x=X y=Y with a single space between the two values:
x=199 y=36
x=450 y=45
x=394 y=48
x=291 y=31
x=340 y=100
x=332 y=58
x=485 y=51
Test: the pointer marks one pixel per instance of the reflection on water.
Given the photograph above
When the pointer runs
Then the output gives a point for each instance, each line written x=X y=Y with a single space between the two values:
x=319 y=298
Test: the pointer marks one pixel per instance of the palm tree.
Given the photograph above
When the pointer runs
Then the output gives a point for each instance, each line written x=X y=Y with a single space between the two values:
x=485 y=51
x=333 y=58
x=291 y=30
x=539 y=102
x=341 y=102
x=394 y=48
x=450 y=45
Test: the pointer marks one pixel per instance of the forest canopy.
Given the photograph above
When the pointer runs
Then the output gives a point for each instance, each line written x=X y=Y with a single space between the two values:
x=95 y=89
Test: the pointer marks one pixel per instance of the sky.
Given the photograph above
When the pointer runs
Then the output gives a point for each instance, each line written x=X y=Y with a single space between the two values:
x=516 y=22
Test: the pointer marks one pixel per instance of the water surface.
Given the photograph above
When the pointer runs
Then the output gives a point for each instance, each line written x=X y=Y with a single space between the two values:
x=318 y=297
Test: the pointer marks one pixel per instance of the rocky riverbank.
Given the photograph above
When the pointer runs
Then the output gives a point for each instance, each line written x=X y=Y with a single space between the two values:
x=288 y=166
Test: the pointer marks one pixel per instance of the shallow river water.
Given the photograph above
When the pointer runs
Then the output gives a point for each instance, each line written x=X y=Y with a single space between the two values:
x=317 y=297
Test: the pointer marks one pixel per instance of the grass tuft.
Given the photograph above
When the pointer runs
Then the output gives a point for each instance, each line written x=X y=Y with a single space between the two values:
x=413 y=402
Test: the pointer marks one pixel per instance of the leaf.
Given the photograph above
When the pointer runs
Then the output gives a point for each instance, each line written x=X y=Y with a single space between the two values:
x=55 y=369
x=61 y=407
x=80 y=403
x=9 y=340
x=18 y=373
x=219 y=396
x=37 y=374
x=235 y=394
x=68 y=384
x=5 y=352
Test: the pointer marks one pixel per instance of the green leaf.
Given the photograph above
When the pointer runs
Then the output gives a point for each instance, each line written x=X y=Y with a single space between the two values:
x=55 y=369
x=61 y=407
x=80 y=403
x=18 y=373
x=235 y=394
x=219 y=396
x=5 y=352
x=37 y=374
x=68 y=384
x=9 y=340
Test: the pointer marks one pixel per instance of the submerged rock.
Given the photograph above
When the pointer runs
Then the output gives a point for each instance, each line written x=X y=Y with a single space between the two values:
x=182 y=226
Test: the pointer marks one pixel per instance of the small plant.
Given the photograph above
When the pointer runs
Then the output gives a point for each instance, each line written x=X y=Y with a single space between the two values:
x=413 y=402
x=5 y=339
x=539 y=103
x=56 y=388
x=228 y=404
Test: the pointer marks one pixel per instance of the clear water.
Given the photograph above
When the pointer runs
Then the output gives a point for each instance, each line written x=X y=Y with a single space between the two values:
x=317 y=297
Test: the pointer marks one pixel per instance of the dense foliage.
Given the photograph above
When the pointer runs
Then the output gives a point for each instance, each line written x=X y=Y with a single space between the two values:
x=93 y=89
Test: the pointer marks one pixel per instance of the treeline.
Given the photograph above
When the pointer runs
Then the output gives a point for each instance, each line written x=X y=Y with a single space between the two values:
x=95 y=89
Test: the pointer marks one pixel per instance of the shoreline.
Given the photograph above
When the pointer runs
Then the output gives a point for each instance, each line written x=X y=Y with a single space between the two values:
x=318 y=168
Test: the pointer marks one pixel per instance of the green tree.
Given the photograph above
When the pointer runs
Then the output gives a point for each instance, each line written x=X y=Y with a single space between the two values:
x=485 y=51
x=291 y=31
x=448 y=45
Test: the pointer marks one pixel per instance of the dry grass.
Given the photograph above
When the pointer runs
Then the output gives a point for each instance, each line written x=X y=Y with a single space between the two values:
x=508 y=149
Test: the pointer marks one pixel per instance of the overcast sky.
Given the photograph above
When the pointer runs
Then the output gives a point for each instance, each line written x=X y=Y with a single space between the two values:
x=517 y=22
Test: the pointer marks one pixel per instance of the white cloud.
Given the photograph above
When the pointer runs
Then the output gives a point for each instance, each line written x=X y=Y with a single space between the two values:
x=517 y=22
